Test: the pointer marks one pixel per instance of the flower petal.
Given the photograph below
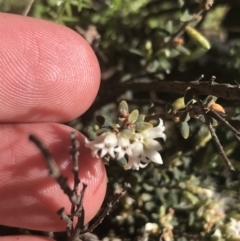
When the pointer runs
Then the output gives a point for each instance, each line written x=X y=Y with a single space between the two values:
x=152 y=145
x=156 y=132
x=154 y=156
x=137 y=149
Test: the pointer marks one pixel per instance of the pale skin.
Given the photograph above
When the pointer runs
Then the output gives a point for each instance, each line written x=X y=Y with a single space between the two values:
x=48 y=75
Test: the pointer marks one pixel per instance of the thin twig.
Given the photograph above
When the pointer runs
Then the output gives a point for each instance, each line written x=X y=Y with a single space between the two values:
x=116 y=198
x=214 y=136
x=28 y=8
x=54 y=170
x=227 y=124
x=75 y=155
x=61 y=212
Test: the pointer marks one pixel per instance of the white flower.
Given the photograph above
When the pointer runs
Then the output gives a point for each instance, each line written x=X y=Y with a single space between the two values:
x=105 y=144
x=217 y=233
x=145 y=148
x=233 y=228
x=151 y=227
x=156 y=132
x=123 y=147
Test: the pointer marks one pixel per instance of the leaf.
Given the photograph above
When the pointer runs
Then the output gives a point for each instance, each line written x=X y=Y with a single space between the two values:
x=178 y=104
x=193 y=199
x=123 y=109
x=133 y=116
x=186 y=17
x=185 y=130
x=154 y=122
x=183 y=50
x=103 y=122
x=92 y=135
x=127 y=133
x=185 y=117
x=202 y=119
x=68 y=9
x=141 y=118
x=198 y=37
x=169 y=27
x=136 y=51
x=102 y=130
x=216 y=107
x=141 y=126
x=122 y=162
x=188 y=96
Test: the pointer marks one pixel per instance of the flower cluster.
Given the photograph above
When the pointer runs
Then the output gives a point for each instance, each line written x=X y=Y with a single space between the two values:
x=131 y=141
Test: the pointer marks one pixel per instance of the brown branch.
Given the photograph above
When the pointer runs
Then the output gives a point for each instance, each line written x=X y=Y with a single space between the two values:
x=214 y=136
x=226 y=91
x=227 y=124
x=110 y=93
x=61 y=212
x=53 y=168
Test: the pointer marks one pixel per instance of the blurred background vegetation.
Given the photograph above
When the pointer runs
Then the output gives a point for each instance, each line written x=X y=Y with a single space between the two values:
x=192 y=195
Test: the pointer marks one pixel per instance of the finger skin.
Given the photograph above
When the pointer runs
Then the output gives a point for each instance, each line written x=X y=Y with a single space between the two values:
x=29 y=198
x=48 y=72
x=24 y=238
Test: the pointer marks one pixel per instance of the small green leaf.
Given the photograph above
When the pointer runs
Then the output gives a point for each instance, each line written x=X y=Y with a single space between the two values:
x=123 y=108
x=102 y=130
x=191 y=218
x=188 y=96
x=122 y=162
x=136 y=51
x=154 y=122
x=169 y=27
x=202 y=119
x=140 y=118
x=185 y=130
x=185 y=117
x=178 y=104
x=186 y=17
x=183 y=50
x=103 y=122
x=68 y=9
x=127 y=133
x=92 y=135
x=193 y=199
x=213 y=121
x=141 y=126
x=133 y=116
x=198 y=37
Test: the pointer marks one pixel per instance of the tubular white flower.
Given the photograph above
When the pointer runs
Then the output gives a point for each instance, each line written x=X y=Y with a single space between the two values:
x=145 y=148
x=104 y=144
x=123 y=147
x=134 y=162
x=156 y=132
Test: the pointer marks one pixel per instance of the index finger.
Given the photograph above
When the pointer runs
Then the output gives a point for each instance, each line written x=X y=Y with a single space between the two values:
x=47 y=71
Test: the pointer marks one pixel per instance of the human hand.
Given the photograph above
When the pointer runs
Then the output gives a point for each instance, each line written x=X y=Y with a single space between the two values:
x=48 y=74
